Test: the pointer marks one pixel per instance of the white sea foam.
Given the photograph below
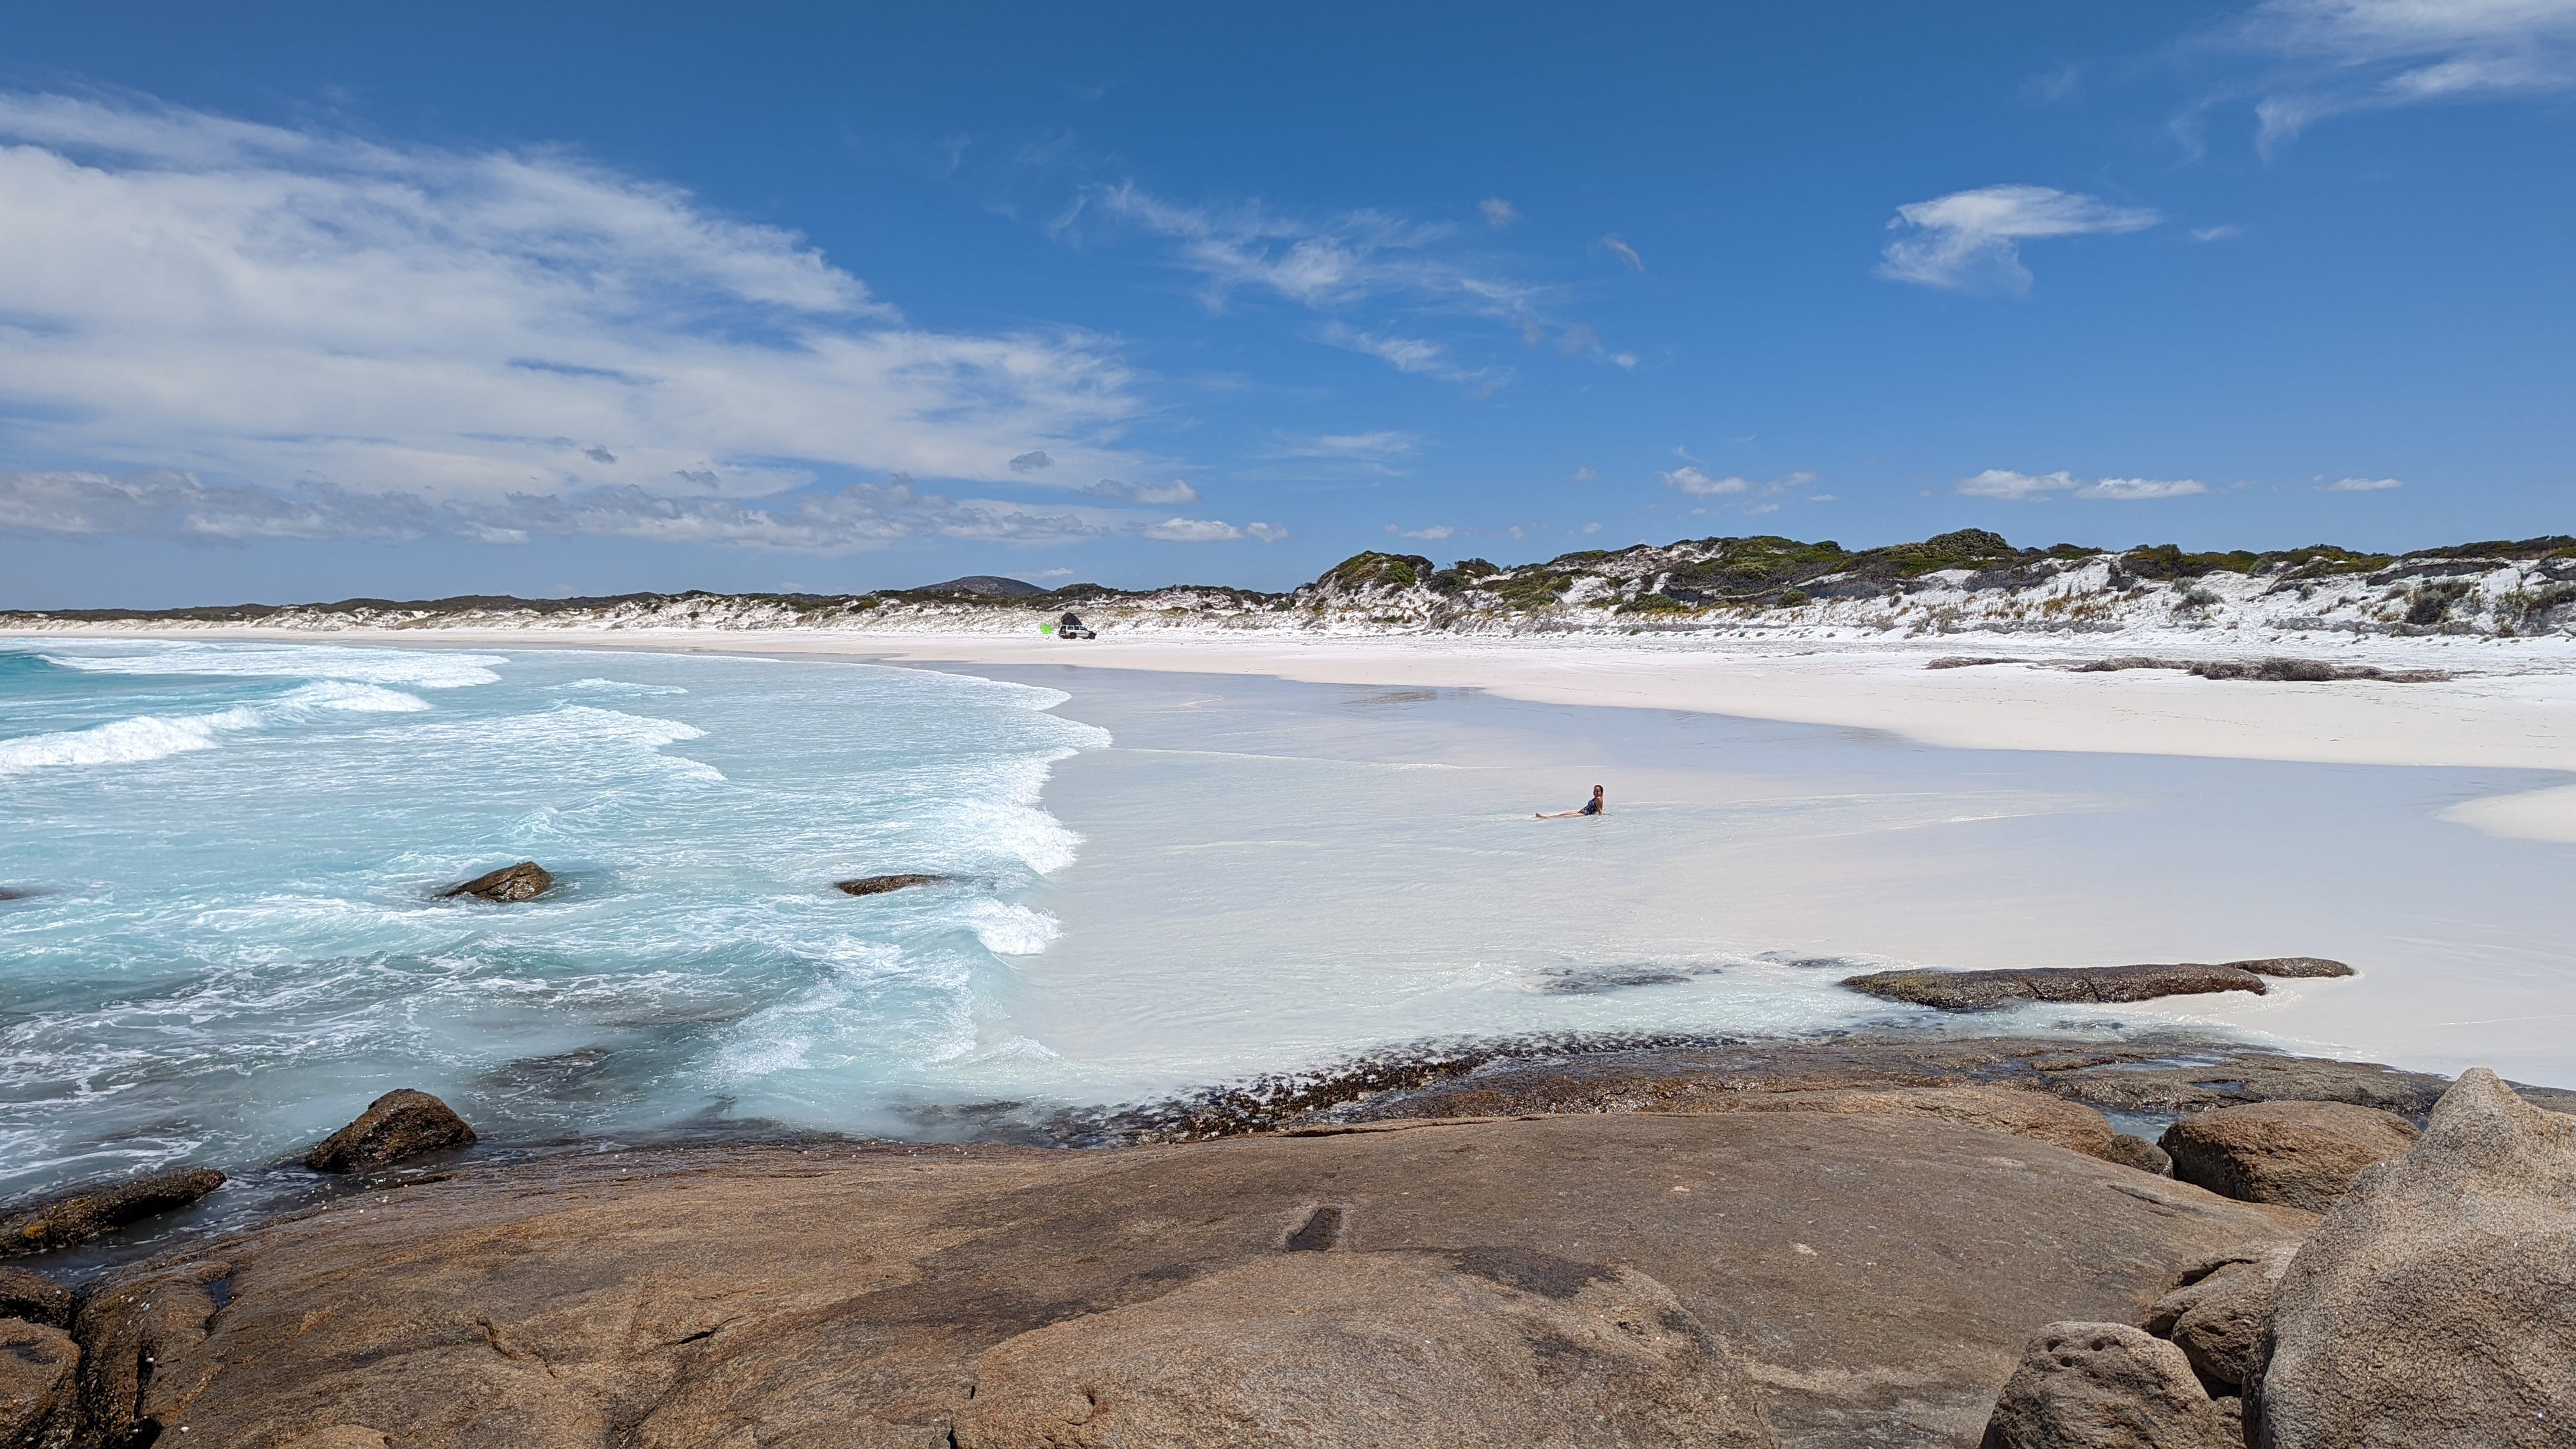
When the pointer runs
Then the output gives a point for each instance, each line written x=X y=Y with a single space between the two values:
x=421 y=669
x=118 y=742
x=620 y=686
x=1011 y=930
x=155 y=737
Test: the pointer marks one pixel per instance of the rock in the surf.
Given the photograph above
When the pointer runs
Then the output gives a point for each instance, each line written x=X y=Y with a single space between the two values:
x=1343 y=1350
x=2299 y=1154
x=72 y=1217
x=2293 y=966
x=38 y=1373
x=400 y=1124
x=1987 y=990
x=2435 y=1306
x=2219 y=1313
x=35 y=1298
x=2108 y=1386
x=877 y=885
x=522 y=882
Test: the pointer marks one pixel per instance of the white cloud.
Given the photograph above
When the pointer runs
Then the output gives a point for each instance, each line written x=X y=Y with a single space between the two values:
x=1176 y=491
x=1623 y=252
x=2015 y=487
x=2364 y=485
x=1498 y=212
x=1433 y=534
x=1192 y=530
x=1266 y=532
x=1689 y=479
x=1033 y=462
x=157 y=504
x=2349 y=55
x=1971 y=240
x=182 y=294
x=1585 y=475
x=2216 y=233
x=2005 y=483
x=2141 y=489
x=1592 y=528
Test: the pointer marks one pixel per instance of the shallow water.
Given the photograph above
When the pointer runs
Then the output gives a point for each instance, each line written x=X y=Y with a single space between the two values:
x=232 y=938
x=1162 y=881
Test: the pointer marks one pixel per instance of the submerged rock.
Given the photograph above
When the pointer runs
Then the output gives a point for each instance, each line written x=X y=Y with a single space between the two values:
x=2300 y=1154
x=78 y=1216
x=2435 y=1306
x=35 y=1298
x=2293 y=966
x=877 y=885
x=2107 y=1386
x=402 y=1123
x=38 y=1384
x=1477 y=1350
x=1987 y=990
x=522 y=882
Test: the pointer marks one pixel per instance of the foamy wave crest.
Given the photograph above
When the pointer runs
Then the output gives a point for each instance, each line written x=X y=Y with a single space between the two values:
x=419 y=668
x=620 y=686
x=157 y=737
x=118 y=742
x=1009 y=930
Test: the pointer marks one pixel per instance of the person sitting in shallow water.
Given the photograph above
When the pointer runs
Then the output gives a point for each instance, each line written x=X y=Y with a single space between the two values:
x=1590 y=807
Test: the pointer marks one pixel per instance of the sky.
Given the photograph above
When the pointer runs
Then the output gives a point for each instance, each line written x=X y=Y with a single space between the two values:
x=304 y=302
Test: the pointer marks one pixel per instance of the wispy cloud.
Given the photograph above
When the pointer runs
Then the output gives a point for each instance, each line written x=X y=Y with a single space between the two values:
x=2015 y=487
x=1971 y=240
x=1689 y=479
x=2216 y=233
x=1176 y=491
x=2335 y=56
x=185 y=295
x=1624 y=252
x=2364 y=485
x=1584 y=475
x=1194 y=530
x=156 y=504
x=1411 y=278
x=1433 y=534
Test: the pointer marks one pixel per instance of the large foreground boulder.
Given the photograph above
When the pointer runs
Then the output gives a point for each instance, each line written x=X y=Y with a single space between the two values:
x=1309 y=1350
x=2300 y=1154
x=2108 y=1386
x=400 y=1124
x=77 y=1216
x=522 y=882
x=1876 y=1277
x=2435 y=1307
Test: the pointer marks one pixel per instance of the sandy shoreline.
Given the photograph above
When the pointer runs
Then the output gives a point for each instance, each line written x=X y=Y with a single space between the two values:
x=2513 y=704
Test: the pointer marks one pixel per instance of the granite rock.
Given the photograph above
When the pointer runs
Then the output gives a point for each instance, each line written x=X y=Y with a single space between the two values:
x=2302 y=1154
x=400 y=1124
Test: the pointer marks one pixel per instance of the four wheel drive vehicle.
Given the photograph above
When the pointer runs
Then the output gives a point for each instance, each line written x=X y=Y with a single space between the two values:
x=1070 y=627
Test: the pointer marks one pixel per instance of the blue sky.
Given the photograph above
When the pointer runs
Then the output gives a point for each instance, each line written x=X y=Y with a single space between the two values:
x=299 y=302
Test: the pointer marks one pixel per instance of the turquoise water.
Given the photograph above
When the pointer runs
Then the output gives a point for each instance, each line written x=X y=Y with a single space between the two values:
x=226 y=938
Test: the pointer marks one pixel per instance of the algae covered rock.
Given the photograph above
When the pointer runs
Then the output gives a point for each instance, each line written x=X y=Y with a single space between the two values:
x=66 y=1218
x=522 y=882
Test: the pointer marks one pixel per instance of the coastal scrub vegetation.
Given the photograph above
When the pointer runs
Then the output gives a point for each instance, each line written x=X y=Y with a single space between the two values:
x=1965 y=580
